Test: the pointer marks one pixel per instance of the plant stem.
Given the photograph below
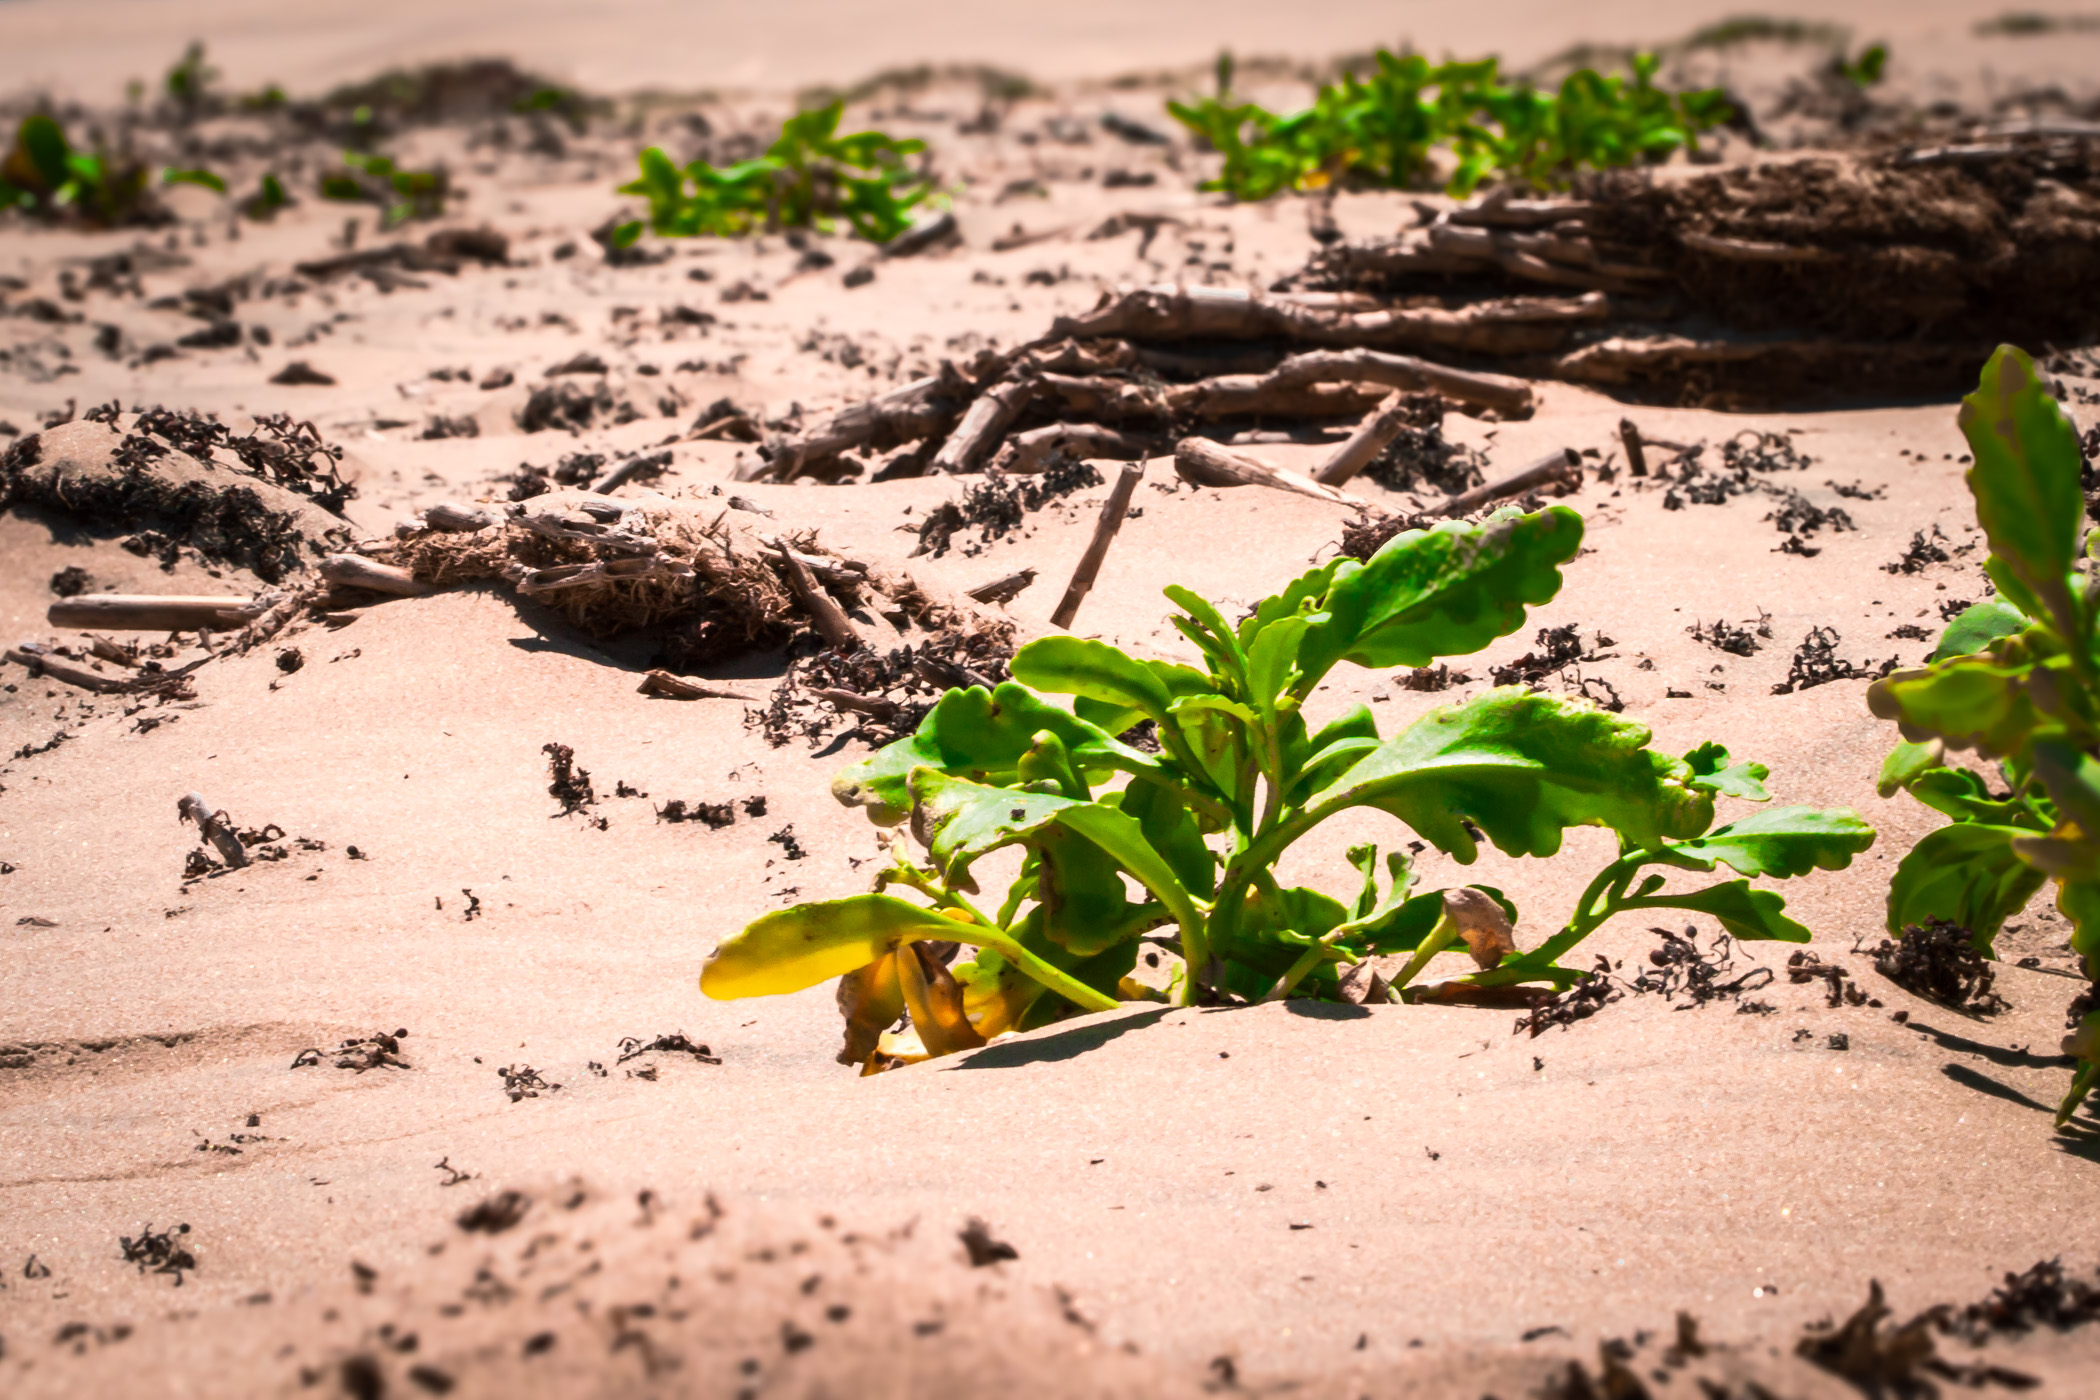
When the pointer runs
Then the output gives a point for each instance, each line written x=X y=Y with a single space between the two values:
x=1439 y=939
x=1051 y=978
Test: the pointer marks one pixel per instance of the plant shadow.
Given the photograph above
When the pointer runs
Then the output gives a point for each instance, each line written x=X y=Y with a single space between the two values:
x=1062 y=1045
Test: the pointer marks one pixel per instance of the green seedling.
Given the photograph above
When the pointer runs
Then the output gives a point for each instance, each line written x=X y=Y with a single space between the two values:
x=1866 y=70
x=1122 y=847
x=190 y=81
x=811 y=177
x=376 y=179
x=2016 y=679
x=46 y=176
x=1382 y=130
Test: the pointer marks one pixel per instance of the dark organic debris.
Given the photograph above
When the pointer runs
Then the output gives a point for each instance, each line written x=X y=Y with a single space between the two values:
x=1735 y=639
x=711 y=814
x=572 y=785
x=1558 y=648
x=375 y=1051
x=2041 y=1297
x=71 y=581
x=879 y=697
x=674 y=1044
x=524 y=1082
x=1839 y=989
x=999 y=505
x=1420 y=458
x=1922 y=551
x=1939 y=961
x=1678 y=966
x=1578 y=1003
x=977 y=1238
x=159 y=1252
x=1816 y=662
x=789 y=846
x=496 y=1214
x=1433 y=678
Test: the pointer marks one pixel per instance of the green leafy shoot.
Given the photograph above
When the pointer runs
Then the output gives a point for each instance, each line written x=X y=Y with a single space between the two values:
x=46 y=176
x=1390 y=128
x=376 y=179
x=1123 y=851
x=1866 y=70
x=2017 y=679
x=811 y=177
x=189 y=82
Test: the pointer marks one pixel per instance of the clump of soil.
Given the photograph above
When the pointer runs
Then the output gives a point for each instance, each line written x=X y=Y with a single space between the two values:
x=1816 y=662
x=1939 y=961
x=999 y=505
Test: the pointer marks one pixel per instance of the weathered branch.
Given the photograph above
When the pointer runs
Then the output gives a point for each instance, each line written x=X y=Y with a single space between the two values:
x=1201 y=462
x=1559 y=468
x=1113 y=511
x=830 y=619
x=983 y=423
x=1025 y=453
x=671 y=687
x=136 y=612
x=42 y=663
x=1231 y=395
x=356 y=571
x=1371 y=437
x=194 y=808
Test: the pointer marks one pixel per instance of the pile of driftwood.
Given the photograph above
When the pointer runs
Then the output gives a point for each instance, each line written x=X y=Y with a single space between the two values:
x=1756 y=286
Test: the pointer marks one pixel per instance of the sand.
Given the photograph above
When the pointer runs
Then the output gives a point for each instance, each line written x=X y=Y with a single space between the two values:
x=1329 y=1200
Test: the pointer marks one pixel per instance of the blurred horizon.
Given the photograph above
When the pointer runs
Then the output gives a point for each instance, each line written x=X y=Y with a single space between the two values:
x=89 y=49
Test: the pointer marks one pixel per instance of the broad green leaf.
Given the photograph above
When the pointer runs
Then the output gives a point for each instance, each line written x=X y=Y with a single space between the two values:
x=2079 y=902
x=960 y=820
x=44 y=143
x=1341 y=743
x=1908 y=762
x=205 y=178
x=2026 y=477
x=1977 y=627
x=1085 y=906
x=1169 y=829
x=1522 y=768
x=1782 y=842
x=1446 y=591
x=1271 y=661
x=982 y=735
x=1096 y=670
x=1207 y=628
x=1712 y=772
x=1746 y=913
x=790 y=949
x=1301 y=596
x=1965 y=796
x=1978 y=702
x=1968 y=874
x=2072 y=851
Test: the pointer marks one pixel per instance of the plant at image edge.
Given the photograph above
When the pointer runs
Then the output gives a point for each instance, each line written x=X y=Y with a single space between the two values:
x=809 y=178
x=43 y=174
x=2017 y=679
x=1382 y=129
x=1195 y=831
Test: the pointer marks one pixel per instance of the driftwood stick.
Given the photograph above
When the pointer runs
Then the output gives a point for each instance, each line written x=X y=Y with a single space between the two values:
x=1201 y=462
x=453 y=518
x=356 y=571
x=983 y=423
x=1025 y=453
x=195 y=808
x=830 y=619
x=1002 y=590
x=1371 y=437
x=41 y=663
x=1113 y=510
x=1636 y=458
x=1497 y=391
x=1562 y=467
x=672 y=687
x=137 y=612
x=873 y=706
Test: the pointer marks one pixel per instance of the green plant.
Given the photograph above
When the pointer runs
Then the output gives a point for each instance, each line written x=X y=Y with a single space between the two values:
x=402 y=194
x=45 y=175
x=269 y=197
x=190 y=81
x=1864 y=71
x=1383 y=129
x=810 y=177
x=2017 y=679
x=1184 y=854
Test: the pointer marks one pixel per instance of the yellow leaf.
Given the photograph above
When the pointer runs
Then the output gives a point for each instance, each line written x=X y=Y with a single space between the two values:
x=790 y=949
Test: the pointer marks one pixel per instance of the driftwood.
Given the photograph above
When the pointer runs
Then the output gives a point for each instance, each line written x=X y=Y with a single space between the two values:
x=1372 y=436
x=1201 y=462
x=1027 y=452
x=905 y=414
x=1303 y=384
x=1630 y=436
x=670 y=687
x=830 y=619
x=137 y=612
x=1556 y=469
x=42 y=663
x=1113 y=511
x=356 y=571
x=459 y=519
x=1002 y=590
x=982 y=423
x=194 y=808
x=873 y=706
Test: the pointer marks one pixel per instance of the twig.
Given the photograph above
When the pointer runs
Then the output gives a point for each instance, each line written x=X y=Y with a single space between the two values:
x=356 y=571
x=42 y=664
x=136 y=612
x=1002 y=590
x=1025 y=453
x=1559 y=467
x=1370 y=438
x=1112 y=513
x=195 y=808
x=671 y=687
x=1201 y=462
x=983 y=422
x=452 y=518
x=873 y=706
x=830 y=618
x=1636 y=459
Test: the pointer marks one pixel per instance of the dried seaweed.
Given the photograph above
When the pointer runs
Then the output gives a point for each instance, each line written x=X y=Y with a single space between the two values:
x=1939 y=960
x=1816 y=662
